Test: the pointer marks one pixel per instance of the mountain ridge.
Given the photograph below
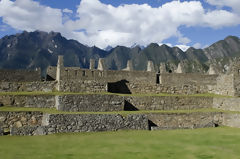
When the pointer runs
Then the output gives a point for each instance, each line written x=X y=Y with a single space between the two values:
x=29 y=50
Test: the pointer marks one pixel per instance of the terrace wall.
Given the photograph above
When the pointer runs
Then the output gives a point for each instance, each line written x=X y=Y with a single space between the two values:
x=185 y=120
x=66 y=123
x=168 y=102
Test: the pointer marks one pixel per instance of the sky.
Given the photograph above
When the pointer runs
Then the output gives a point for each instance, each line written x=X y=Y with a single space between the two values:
x=102 y=23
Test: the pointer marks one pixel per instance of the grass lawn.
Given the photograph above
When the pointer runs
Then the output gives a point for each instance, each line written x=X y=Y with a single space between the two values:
x=209 y=143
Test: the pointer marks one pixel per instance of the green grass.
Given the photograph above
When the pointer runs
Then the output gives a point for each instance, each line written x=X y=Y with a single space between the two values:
x=54 y=111
x=107 y=93
x=210 y=143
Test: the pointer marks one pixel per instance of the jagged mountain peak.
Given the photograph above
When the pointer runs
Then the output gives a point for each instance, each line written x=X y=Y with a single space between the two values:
x=40 y=49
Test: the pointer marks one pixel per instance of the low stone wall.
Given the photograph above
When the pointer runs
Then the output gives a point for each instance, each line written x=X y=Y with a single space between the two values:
x=171 y=89
x=105 y=102
x=96 y=122
x=65 y=123
x=167 y=102
x=9 y=120
x=231 y=104
x=34 y=101
x=225 y=85
x=185 y=120
x=90 y=102
x=231 y=120
x=83 y=86
x=187 y=78
x=47 y=86
x=37 y=123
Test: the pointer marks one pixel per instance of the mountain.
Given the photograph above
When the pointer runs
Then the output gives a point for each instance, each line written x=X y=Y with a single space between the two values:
x=40 y=49
x=229 y=47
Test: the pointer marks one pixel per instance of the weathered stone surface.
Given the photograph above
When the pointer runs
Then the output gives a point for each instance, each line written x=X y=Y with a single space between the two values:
x=23 y=131
x=65 y=123
x=83 y=86
x=47 y=86
x=40 y=131
x=150 y=66
x=101 y=64
x=19 y=119
x=91 y=102
x=185 y=120
x=168 y=102
x=18 y=124
x=232 y=104
x=129 y=66
x=180 y=68
x=96 y=122
x=35 y=101
x=232 y=120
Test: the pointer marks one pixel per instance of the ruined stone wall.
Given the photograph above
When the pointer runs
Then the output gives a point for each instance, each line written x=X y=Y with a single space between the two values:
x=237 y=85
x=8 y=120
x=83 y=86
x=69 y=74
x=60 y=123
x=33 y=101
x=185 y=120
x=177 y=79
x=90 y=103
x=171 y=89
x=47 y=86
x=66 y=123
x=231 y=120
x=20 y=75
x=169 y=102
x=225 y=85
x=229 y=104
x=103 y=103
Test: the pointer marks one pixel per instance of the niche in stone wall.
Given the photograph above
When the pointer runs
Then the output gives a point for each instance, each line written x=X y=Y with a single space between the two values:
x=83 y=73
x=119 y=87
x=157 y=78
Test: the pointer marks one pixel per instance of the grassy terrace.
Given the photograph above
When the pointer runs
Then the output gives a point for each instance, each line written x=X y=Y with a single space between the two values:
x=54 y=111
x=207 y=143
x=106 y=93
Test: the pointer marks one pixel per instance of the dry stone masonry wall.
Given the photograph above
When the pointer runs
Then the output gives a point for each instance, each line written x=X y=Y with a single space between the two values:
x=90 y=103
x=185 y=120
x=37 y=86
x=63 y=123
x=169 y=102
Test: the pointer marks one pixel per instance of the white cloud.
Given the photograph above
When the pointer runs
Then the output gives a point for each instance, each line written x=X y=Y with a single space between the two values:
x=234 y=4
x=30 y=15
x=197 y=45
x=102 y=25
x=66 y=10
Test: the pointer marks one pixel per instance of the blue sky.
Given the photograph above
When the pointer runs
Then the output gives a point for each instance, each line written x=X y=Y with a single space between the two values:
x=183 y=23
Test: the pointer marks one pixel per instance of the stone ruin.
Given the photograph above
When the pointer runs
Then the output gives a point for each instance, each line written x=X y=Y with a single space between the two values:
x=72 y=89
